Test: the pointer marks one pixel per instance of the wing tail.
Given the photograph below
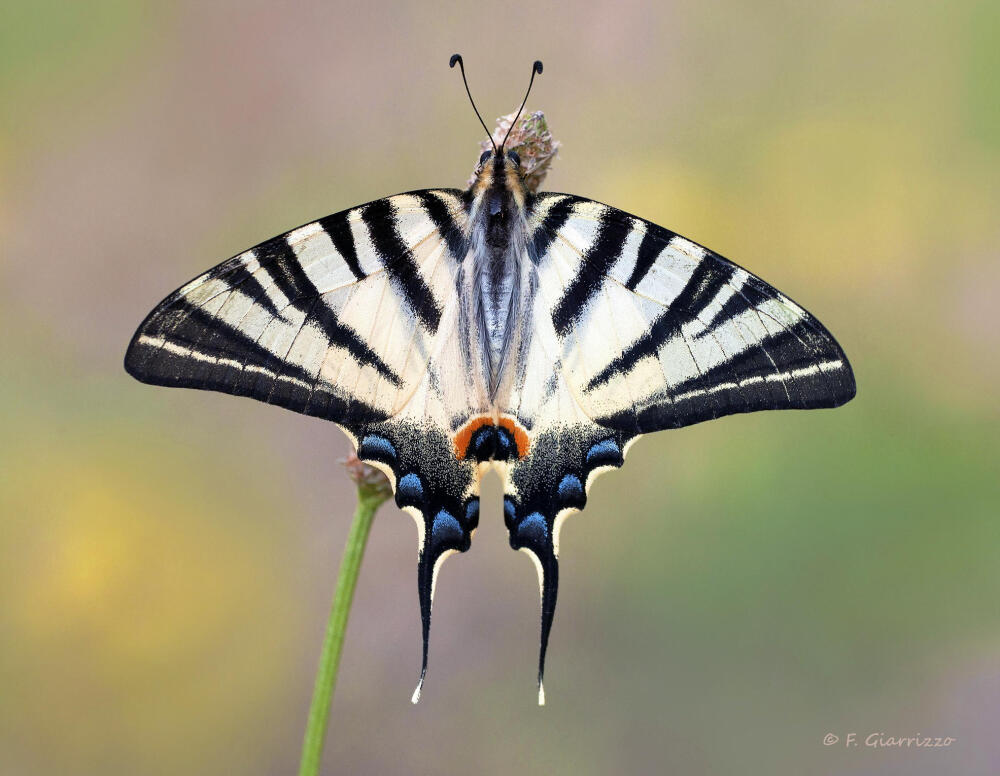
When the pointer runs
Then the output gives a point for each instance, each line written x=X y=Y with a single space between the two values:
x=425 y=591
x=545 y=488
x=548 y=581
x=533 y=535
x=440 y=492
x=444 y=534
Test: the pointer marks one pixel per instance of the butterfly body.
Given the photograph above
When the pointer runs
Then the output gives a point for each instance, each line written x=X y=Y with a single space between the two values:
x=497 y=269
x=448 y=331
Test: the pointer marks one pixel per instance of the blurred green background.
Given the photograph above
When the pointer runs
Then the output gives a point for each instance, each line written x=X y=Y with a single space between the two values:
x=739 y=590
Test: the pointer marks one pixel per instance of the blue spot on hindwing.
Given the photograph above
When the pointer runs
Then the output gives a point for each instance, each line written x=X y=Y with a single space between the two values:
x=410 y=490
x=483 y=443
x=504 y=444
x=377 y=448
x=472 y=512
x=604 y=453
x=509 y=511
x=571 y=492
x=445 y=528
x=533 y=527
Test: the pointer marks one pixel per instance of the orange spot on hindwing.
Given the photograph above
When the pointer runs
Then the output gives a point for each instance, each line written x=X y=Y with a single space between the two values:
x=463 y=437
x=483 y=439
x=521 y=441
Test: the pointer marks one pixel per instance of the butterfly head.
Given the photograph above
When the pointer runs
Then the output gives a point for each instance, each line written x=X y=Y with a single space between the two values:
x=499 y=178
x=510 y=159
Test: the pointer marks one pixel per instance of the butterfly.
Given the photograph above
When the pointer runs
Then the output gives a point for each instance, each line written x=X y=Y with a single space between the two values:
x=448 y=331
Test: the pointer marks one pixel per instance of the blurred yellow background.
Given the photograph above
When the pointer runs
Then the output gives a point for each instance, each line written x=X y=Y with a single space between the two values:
x=739 y=590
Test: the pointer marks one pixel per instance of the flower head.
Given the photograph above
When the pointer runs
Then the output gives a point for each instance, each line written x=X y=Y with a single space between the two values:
x=531 y=140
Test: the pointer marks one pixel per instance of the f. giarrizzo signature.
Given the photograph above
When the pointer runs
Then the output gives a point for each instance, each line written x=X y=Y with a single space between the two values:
x=880 y=740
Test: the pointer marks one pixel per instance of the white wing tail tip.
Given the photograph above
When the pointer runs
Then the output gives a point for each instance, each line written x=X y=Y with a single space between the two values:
x=541 y=694
x=415 y=698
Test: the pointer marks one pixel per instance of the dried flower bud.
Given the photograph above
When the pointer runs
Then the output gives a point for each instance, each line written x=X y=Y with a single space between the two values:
x=531 y=140
x=367 y=478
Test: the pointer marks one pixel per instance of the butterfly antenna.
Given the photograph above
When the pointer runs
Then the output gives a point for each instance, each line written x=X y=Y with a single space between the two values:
x=461 y=65
x=535 y=69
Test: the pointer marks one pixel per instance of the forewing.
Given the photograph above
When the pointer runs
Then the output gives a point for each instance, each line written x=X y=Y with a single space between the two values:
x=336 y=318
x=659 y=332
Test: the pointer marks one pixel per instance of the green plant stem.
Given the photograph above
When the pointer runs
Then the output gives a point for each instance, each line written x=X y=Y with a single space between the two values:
x=369 y=500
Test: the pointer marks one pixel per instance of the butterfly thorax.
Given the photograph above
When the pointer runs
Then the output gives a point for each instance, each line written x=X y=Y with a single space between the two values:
x=494 y=280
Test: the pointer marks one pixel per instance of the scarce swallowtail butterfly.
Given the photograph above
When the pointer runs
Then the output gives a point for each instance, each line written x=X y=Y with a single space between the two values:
x=447 y=331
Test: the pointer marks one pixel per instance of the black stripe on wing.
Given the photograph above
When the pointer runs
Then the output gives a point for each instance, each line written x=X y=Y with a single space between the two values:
x=241 y=278
x=286 y=271
x=750 y=296
x=183 y=346
x=545 y=234
x=338 y=229
x=800 y=367
x=709 y=277
x=399 y=263
x=653 y=242
x=440 y=214
x=596 y=263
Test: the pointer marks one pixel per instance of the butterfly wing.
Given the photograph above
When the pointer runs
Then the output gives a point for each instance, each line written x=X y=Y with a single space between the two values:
x=659 y=332
x=636 y=329
x=351 y=318
x=337 y=318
